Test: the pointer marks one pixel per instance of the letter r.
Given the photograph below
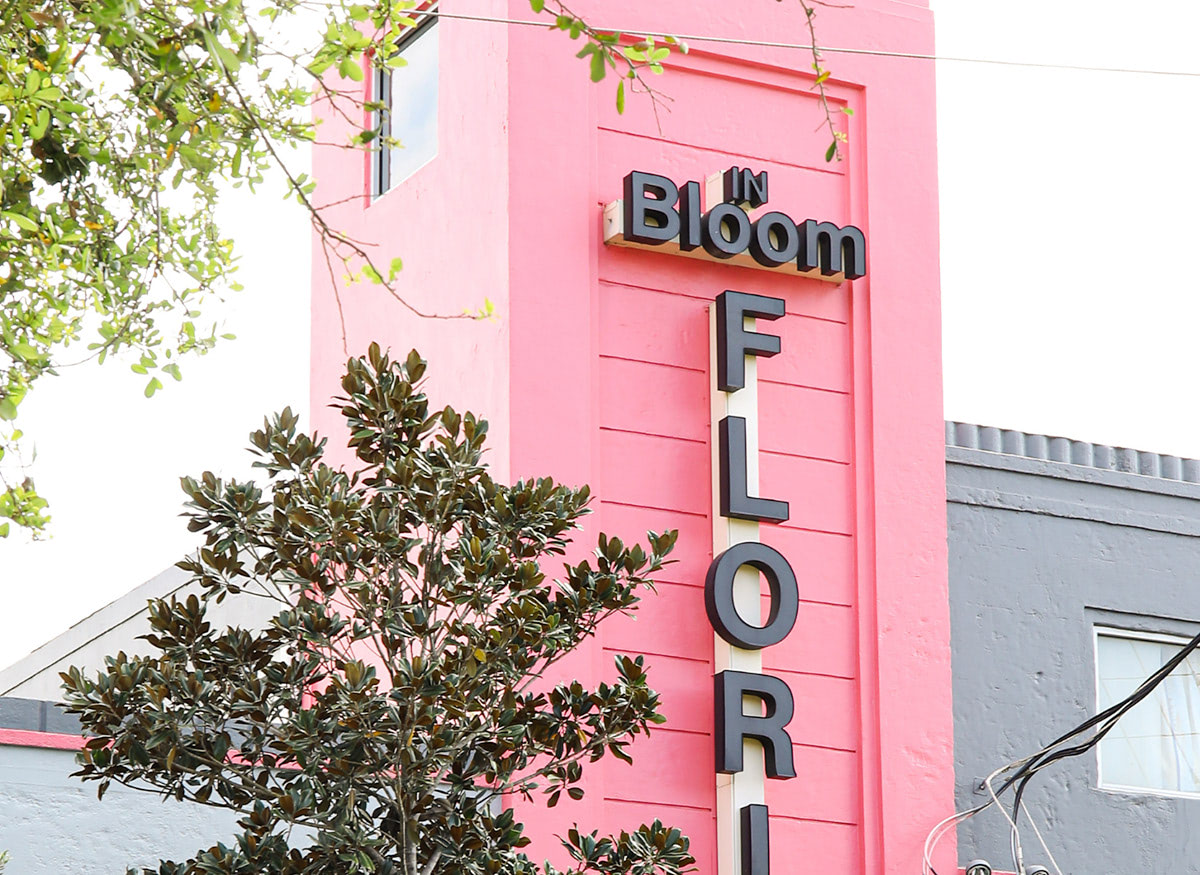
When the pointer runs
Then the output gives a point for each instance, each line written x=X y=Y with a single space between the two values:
x=733 y=727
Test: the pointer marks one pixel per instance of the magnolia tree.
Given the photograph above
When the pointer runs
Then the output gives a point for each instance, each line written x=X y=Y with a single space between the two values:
x=401 y=698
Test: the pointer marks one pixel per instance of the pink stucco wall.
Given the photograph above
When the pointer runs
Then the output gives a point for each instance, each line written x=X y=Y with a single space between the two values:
x=450 y=224
x=596 y=370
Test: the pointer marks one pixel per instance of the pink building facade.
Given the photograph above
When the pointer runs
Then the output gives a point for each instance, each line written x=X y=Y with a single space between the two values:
x=598 y=367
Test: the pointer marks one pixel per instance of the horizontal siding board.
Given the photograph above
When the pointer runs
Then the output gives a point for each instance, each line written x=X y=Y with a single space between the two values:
x=806 y=847
x=669 y=767
x=670 y=622
x=826 y=710
x=823 y=562
x=826 y=787
x=813 y=353
x=823 y=641
x=806 y=422
x=724 y=124
x=654 y=471
x=820 y=494
x=654 y=399
x=652 y=326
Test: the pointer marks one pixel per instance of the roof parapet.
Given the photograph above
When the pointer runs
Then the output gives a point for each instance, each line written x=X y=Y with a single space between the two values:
x=1010 y=442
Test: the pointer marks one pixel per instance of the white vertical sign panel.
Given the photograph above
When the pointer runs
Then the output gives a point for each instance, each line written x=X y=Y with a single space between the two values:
x=748 y=786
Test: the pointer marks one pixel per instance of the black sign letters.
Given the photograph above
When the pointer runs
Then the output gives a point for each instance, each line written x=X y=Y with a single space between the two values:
x=656 y=211
x=732 y=726
x=781 y=583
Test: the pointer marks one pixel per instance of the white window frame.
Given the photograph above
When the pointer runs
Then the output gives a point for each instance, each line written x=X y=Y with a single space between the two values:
x=1098 y=632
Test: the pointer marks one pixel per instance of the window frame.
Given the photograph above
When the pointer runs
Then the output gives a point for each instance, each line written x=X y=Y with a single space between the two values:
x=381 y=86
x=1099 y=631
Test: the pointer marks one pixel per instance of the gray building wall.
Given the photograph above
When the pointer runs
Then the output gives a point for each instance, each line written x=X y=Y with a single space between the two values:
x=1048 y=538
x=52 y=824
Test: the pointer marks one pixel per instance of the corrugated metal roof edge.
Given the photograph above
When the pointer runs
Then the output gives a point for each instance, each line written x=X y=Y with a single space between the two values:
x=1071 y=452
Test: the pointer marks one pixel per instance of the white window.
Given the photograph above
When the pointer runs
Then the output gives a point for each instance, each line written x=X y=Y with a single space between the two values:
x=1155 y=746
x=409 y=93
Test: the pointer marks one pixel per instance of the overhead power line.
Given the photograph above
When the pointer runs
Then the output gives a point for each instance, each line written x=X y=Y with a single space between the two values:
x=770 y=44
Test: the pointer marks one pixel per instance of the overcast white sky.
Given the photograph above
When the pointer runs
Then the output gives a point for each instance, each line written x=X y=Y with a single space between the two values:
x=1070 y=306
x=110 y=460
x=1069 y=218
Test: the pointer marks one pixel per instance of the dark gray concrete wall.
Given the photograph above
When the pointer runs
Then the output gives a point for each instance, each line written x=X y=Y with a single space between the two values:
x=36 y=715
x=1041 y=551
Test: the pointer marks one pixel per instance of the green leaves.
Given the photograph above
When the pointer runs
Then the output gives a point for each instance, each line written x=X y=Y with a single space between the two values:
x=22 y=505
x=411 y=614
x=220 y=53
x=37 y=130
x=607 y=50
x=88 y=252
x=23 y=222
x=350 y=69
x=651 y=848
x=24 y=351
x=599 y=65
x=121 y=125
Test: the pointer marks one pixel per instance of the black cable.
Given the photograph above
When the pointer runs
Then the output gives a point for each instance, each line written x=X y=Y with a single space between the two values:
x=1109 y=716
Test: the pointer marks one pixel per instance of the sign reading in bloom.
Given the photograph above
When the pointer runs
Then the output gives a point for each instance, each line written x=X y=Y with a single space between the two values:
x=655 y=212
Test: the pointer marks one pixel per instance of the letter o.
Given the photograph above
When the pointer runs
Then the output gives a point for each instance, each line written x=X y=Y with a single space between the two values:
x=718 y=596
x=715 y=220
x=763 y=248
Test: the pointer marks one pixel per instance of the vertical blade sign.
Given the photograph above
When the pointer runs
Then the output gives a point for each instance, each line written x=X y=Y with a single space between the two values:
x=732 y=590
x=712 y=221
